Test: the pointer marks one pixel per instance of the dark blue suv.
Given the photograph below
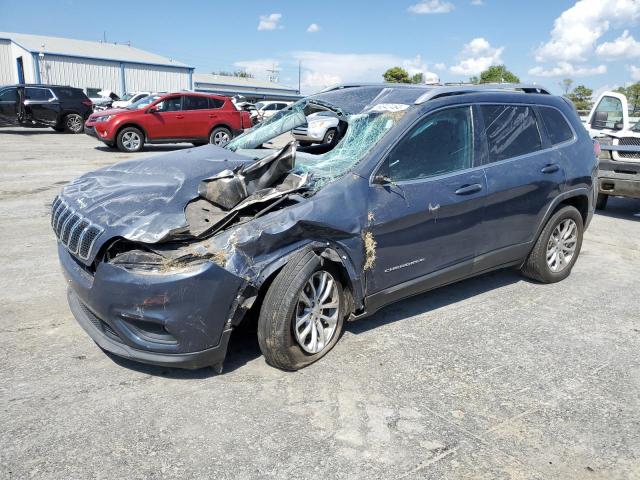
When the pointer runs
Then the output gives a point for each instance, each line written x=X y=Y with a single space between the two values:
x=423 y=186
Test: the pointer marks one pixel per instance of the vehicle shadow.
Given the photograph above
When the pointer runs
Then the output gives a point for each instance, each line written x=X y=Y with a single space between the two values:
x=622 y=208
x=435 y=299
x=147 y=148
x=243 y=345
x=25 y=131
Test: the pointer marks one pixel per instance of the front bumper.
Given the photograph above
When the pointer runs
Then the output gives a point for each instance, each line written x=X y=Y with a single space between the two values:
x=101 y=134
x=619 y=178
x=180 y=319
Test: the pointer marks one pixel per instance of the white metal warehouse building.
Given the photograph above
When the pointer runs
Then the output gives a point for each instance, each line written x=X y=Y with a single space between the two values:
x=92 y=66
x=252 y=89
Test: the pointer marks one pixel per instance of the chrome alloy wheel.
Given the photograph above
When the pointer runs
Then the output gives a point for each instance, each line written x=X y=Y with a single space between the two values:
x=317 y=312
x=562 y=245
x=74 y=123
x=131 y=140
x=220 y=138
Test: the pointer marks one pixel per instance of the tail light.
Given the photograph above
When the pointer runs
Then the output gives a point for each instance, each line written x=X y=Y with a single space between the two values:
x=87 y=102
x=596 y=148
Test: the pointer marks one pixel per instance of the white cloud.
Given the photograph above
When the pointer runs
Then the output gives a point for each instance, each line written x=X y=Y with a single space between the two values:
x=578 y=28
x=426 y=7
x=477 y=3
x=270 y=22
x=323 y=69
x=566 y=69
x=635 y=72
x=440 y=66
x=314 y=27
x=258 y=68
x=625 y=46
x=476 y=56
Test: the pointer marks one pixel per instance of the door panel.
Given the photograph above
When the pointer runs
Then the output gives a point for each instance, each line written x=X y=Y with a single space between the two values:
x=197 y=116
x=521 y=188
x=9 y=106
x=41 y=106
x=426 y=214
x=424 y=226
x=167 y=122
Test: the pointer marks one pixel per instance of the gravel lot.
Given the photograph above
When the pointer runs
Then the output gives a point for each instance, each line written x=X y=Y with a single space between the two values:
x=496 y=377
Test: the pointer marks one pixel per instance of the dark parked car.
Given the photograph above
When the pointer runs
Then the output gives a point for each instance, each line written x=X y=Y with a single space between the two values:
x=425 y=186
x=56 y=106
x=196 y=118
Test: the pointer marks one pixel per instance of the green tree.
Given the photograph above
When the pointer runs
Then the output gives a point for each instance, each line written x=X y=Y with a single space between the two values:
x=396 y=75
x=566 y=85
x=632 y=92
x=496 y=74
x=237 y=73
x=581 y=97
x=418 y=78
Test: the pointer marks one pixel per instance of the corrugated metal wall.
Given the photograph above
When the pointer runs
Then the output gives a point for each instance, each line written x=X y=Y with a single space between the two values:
x=7 y=64
x=155 y=79
x=81 y=73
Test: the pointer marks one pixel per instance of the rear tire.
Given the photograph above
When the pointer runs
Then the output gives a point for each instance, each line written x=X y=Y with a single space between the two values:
x=290 y=300
x=220 y=136
x=330 y=136
x=601 y=202
x=73 y=123
x=130 y=139
x=557 y=248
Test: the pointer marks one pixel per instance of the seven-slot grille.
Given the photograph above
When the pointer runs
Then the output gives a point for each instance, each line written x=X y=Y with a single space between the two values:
x=75 y=232
x=633 y=142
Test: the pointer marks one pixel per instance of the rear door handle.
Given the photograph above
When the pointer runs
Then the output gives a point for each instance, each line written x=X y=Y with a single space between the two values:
x=550 y=169
x=467 y=189
x=179 y=116
x=212 y=115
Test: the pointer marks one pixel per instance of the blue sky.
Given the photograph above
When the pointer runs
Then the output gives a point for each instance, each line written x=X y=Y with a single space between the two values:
x=594 y=42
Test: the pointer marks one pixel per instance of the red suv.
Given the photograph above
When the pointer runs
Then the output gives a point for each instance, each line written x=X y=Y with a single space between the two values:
x=169 y=118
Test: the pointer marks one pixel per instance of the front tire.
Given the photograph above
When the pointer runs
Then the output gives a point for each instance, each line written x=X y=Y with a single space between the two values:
x=601 y=201
x=220 y=136
x=130 y=139
x=73 y=123
x=302 y=314
x=330 y=136
x=557 y=248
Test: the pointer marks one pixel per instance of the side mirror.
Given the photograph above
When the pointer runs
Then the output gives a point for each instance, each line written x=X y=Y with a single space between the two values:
x=618 y=126
x=381 y=179
x=153 y=109
x=52 y=100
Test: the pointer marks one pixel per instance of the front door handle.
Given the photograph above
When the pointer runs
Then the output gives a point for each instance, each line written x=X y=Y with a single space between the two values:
x=179 y=116
x=468 y=189
x=550 y=168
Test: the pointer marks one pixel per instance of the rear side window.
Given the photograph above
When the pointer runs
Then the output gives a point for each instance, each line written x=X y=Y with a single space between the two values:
x=215 y=102
x=441 y=143
x=67 y=93
x=40 y=94
x=558 y=129
x=9 y=95
x=512 y=130
x=195 y=103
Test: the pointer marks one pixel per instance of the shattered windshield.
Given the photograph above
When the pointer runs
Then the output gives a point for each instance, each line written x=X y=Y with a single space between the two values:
x=358 y=132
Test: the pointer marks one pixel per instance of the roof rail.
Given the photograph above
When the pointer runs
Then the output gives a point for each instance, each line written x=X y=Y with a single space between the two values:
x=448 y=90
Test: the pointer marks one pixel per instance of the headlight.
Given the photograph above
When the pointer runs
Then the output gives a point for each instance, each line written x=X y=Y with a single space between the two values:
x=321 y=124
x=604 y=154
x=103 y=118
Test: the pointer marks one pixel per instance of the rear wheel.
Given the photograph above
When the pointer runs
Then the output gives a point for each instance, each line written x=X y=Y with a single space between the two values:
x=130 y=139
x=302 y=314
x=601 y=202
x=220 y=136
x=73 y=123
x=557 y=248
x=329 y=136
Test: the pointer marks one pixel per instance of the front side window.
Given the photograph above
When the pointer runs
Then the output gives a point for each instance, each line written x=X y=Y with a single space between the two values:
x=441 y=143
x=195 y=103
x=558 y=129
x=607 y=113
x=173 y=104
x=511 y=130
x=38 y=94
x=9 y=95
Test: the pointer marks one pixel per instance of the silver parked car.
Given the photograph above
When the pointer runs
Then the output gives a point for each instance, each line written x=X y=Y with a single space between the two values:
x=321 y=127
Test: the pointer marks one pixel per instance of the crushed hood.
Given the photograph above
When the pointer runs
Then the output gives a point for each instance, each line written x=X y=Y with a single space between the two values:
x=144 y=200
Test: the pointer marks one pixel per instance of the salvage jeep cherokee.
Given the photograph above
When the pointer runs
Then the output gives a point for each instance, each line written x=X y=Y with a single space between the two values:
x=424 y=186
